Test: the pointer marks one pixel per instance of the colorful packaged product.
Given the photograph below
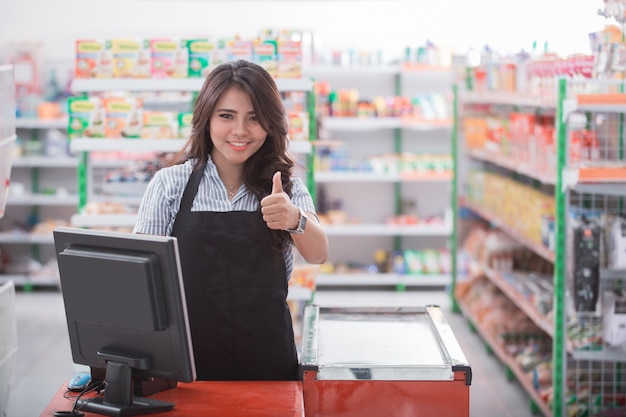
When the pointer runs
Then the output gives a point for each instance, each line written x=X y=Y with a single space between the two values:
x=86 y=117
x=184 y=124
x=131 y=58
x=298 y=125
x=169 y=58
x=265 y=54
x=159 y=125
x=204 y=55
x=239 y=49
x=289 y=59
x=94 y=59
x=123 y=117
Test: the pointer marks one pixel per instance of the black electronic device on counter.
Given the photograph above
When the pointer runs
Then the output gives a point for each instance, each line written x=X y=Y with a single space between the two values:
x=586 y=265
x=126 y=315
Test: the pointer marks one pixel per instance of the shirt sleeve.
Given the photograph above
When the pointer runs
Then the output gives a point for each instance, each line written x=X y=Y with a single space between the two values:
x=300 y=195
x=155 y=212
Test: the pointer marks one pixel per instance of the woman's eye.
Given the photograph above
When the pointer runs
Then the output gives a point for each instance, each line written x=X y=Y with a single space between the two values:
x=226 y=116
x=253 y=119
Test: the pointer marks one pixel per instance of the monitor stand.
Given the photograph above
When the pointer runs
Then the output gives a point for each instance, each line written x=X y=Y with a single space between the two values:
x=118 y=400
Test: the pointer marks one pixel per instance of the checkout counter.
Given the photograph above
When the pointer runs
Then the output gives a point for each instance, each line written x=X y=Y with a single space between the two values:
x=355 y=362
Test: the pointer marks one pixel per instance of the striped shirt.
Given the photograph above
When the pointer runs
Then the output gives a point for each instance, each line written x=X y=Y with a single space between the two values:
x=162 y=198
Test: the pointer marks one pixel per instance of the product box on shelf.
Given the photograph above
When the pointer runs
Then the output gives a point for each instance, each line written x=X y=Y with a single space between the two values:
x=265 y=54
x=184 y=124
x=239 y=49
x=94 y=59
x=298 y=125
x=131 y=58
x=289 y=59
x=159 y=125
x=123 y=117
x=86 y=117
x=169 y=58
x=204 y=54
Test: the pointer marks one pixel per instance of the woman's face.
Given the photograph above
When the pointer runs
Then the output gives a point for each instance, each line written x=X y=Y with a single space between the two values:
x=234 y=129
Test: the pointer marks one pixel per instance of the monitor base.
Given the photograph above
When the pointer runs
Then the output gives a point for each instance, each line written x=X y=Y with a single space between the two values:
x=139 y=407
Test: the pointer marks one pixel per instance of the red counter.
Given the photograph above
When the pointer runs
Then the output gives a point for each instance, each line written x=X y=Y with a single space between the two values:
x=391 y=362
x=220 y=399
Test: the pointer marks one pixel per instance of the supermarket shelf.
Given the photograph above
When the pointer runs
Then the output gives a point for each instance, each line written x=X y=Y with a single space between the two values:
x=300 y=146
x=511 y=99
x=42 y=199
x=26 y=238
x=509 y=362
x=299 y=293
x=320 y=71
x=371 y=279
x=45 y=162
x=152 y=145
x=169 y=84
x=104 y=220
x=518 y=299
x=369 y=177
x=129 y=145
x=361 y=123
x=378 y=123
x=36 y=123
x=132 y=200
x=21 y=280
x=604 y=355
x=329 y=70
x=511 y=164
x=537 y=248
x=610 y=180
x=388 y=230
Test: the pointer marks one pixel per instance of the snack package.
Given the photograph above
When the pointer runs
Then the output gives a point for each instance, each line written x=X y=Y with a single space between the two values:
x=239 y=49
x=289 y=59
x=265 y=54
x=298 y=125
x=204 y=55
x=159 y=125
x=169 y=58
x=184 y=124
x=86 y=117
x=131 y=58
x=94 y=59
x=123 y=117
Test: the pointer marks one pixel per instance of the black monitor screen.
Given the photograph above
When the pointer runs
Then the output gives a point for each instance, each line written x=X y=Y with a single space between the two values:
x=126 y=312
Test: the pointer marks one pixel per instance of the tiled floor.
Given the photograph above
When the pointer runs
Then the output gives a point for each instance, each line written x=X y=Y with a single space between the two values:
x=44 y=358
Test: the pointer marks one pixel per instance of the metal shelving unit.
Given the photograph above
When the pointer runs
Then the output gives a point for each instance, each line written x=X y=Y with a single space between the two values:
x=587 y=376
x=373 y=136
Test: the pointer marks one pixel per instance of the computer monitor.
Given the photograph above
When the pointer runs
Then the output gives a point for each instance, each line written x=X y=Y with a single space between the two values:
x=126 y=313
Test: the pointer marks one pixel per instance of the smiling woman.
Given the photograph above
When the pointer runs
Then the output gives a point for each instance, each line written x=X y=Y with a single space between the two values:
x=231 y=200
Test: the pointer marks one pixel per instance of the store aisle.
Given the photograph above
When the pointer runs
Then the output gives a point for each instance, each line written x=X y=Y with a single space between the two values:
x=44 y=358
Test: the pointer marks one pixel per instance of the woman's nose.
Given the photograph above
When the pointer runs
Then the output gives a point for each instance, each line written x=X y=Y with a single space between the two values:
x=240 y=128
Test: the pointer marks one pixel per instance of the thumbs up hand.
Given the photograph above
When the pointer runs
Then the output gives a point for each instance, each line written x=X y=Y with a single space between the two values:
x=279 y=213
x=277 y=183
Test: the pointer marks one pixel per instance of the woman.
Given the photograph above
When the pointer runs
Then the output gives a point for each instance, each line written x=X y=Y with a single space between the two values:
x=229 y=198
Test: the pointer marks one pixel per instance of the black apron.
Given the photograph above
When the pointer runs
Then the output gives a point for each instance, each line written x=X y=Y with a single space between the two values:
x=236 y=290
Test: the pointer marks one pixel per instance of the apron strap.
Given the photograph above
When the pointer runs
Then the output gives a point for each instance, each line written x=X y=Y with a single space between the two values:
x=191 y=189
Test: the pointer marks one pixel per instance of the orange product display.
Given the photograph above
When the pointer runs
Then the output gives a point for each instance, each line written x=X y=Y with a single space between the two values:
x=217 y=398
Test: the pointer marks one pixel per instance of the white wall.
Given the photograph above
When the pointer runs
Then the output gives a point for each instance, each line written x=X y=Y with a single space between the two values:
x=507 y=26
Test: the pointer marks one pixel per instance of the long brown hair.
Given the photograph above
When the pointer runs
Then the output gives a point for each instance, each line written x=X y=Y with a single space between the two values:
x=270 y=112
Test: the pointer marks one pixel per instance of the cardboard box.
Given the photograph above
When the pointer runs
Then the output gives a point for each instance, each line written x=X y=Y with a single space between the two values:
x=131 y=58
x=169 y=58
x=86 y=117
x=94 y=59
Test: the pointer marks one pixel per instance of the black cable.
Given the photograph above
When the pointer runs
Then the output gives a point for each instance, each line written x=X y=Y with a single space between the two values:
x=75 y=412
